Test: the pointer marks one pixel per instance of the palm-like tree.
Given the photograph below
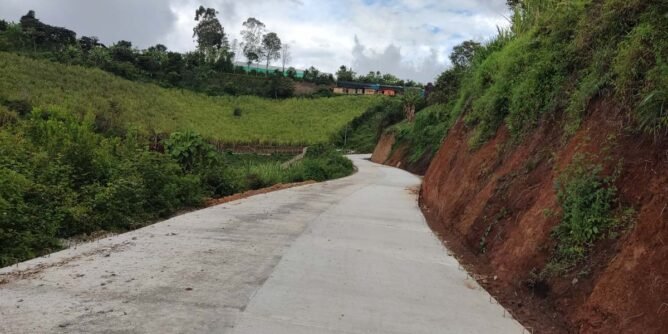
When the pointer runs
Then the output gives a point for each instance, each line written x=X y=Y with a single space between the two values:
x=410 y=100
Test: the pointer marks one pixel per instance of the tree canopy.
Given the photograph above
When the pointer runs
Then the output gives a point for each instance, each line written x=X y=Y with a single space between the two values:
x=271 y=48
x=211 y=38
x=252 y=39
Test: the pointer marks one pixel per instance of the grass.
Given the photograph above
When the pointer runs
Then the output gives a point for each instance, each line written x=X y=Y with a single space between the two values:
x=155 y=110
x=426 y=134
x=590 y=212
x=363 y=133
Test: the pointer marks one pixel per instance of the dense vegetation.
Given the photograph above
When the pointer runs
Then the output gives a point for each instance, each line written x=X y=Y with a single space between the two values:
x=62 y=177
x=84 y=151
x=118 y=103
x=362 y=134
x=427 y=132
x=556 y=57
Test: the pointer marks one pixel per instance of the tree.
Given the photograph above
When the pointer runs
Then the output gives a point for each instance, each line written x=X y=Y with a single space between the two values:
x=462 y=54
x=311 y=74
x=271 y=49
x=251 y=57
x=286 y=56
x=88 y=43
x=153 y=60
x=211 y=39
x=45 y=35
x=158 y=48
x=410 y=100
x=291 y=73
x=99 y=57
x=389 y=79
x=29 y=23
x=281 y=87
x=345 y=74
x=252 y=39
x=122 y=51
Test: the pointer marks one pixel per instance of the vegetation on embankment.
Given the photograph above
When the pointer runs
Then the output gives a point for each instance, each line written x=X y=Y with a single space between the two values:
x=556 y=57
x=119 y=103
x=364 y=131
x=60 y=176
x=580 y=239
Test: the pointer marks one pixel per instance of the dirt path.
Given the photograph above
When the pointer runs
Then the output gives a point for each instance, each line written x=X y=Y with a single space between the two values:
x=347 y=256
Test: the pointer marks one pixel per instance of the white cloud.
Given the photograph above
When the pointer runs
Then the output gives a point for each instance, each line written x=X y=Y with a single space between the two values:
x=409 y=38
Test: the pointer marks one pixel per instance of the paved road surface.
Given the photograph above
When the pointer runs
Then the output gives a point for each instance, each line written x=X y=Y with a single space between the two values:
x=347 y=256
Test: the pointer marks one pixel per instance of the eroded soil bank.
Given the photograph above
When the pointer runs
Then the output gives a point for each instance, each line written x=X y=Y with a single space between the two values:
x=496 y=208
x=395 y=154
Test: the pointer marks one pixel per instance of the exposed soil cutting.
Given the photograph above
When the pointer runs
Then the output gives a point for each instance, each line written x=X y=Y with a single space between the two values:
x=489 y=206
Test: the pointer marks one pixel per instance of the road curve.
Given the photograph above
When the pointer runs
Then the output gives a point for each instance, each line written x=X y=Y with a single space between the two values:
x=347 y=256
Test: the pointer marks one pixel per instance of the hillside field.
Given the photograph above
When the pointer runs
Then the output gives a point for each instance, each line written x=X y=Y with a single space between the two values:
x=153 y=109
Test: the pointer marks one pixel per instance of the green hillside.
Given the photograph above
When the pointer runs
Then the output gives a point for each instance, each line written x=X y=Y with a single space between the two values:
x=158 y=110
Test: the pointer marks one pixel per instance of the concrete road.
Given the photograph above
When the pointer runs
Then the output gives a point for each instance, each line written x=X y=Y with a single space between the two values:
x=347 y=256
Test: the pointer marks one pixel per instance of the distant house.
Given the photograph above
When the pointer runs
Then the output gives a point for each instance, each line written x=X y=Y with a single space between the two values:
x=360 y=88
x=387 y=92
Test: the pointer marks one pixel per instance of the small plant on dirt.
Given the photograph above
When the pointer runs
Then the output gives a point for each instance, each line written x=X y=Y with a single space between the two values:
x=503 y=213
x=588 y=199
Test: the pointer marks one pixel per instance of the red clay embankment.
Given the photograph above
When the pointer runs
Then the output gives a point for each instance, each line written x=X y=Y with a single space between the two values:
x=391 y=153
x=490 y=206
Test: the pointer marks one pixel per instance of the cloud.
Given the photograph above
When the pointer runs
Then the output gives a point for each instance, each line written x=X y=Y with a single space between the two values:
x=409 y=38
x=144 y=22
x=390 y=60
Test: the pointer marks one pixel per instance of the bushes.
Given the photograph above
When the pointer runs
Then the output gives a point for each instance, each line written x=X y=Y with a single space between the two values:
x=426 y=134
x=517 y=84
x=58 y=178
x=324 y=162
x=362 y=134
x=588 y=200
x=559 y=55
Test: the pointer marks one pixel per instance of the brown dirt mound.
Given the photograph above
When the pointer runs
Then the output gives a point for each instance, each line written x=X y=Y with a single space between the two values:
x=490 y=206
x=394 y=154
x=383 y=149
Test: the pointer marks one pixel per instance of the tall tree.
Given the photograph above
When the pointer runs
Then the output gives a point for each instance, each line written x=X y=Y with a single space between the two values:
x=123 y=51
x=88 y=43
x=252 y=39
x=311 y=74
x=286 y=56
x=211 y=39
x=271 y=49
x=410 y=100
x=462 y=54
x=345 y=74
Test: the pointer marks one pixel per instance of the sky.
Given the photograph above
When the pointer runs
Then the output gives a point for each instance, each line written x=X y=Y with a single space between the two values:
x=408 y=38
